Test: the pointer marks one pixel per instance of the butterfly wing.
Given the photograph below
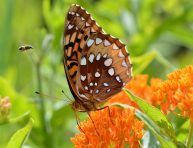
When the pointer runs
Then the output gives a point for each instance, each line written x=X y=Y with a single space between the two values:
x=96 y=64
x=75 y=34
x=104 y=67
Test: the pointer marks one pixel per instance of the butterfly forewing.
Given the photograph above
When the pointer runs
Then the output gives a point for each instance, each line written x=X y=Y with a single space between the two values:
x=97 y=65
x=77 y=30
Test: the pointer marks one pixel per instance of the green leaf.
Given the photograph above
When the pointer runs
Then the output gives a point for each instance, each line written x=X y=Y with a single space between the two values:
x=18 y=139
x=190 y=136
x=155 y=115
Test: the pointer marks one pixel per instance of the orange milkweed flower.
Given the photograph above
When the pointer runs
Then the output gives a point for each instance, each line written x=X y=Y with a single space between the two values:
x=123 y=131
x=177 y=92
x=126 y=129
x=140 y=87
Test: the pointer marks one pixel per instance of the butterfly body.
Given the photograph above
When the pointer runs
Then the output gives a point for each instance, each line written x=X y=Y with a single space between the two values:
x=96 y=64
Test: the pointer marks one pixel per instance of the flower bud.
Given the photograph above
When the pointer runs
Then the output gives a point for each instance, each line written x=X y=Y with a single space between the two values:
x=5 y=106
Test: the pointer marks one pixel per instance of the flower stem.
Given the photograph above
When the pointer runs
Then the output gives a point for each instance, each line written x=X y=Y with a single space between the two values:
x=47 y=140
x=190 y=136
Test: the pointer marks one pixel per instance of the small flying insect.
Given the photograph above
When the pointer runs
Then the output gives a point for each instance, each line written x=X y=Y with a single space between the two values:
x=25 y=47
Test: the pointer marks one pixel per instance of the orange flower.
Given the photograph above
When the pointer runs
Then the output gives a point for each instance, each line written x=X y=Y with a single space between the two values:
x=177 y=92
x=122 y=132
x=139 y=86
x=126 y=129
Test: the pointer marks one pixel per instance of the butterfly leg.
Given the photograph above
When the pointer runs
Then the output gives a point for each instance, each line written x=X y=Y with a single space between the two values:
x=79 y=127
x=93 y=124
x=108 y=112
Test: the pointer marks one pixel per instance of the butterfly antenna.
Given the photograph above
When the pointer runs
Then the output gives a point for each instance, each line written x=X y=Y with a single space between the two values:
x=70 y=100
x=48 y=96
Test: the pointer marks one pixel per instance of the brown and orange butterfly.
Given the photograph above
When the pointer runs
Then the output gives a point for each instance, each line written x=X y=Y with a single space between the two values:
x=96 y=64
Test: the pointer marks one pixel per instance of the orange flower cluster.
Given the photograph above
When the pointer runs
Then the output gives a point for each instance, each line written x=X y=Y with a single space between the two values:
x=116 y=129
x=139 y=86
x=177 y=92
x=121 y=131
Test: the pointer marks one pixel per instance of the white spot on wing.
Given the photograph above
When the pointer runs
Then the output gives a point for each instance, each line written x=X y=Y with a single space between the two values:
x=98 y=56
x=121 y=54
x=82 y=78
x=77 y=14
x=105 y=84
x=71 y=12
x=105 y=55
x=118 y=79
x=90 y=42
x=82 y=18
x=108 y=90
x=108 y=62
x=91 y=84
x=86 y=88
x=124 y=63
x=98 y=41
x=87 y=24
x=83 y=61
x=91 y=57
x=111 y=71
x=93 y=30
x=97 y=74
x=91 y=91
x=70 y=26
x=106 y=42
x=97 y=91
x=95 y=83
x=115 y=47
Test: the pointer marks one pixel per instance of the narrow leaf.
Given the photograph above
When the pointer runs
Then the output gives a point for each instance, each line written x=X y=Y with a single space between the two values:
x=18 y=139
x=154 y=114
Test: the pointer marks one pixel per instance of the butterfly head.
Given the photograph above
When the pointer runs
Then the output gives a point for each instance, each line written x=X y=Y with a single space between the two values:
x=83 y=106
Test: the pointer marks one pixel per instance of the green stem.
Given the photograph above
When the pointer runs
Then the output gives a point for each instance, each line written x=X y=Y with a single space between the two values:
x=47 y=140
x=190 y=136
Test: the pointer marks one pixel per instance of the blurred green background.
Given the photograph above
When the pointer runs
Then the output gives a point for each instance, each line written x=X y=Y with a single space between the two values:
x=158 y=35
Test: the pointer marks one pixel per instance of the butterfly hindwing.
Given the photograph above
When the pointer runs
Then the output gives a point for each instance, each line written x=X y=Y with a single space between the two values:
x=104 y=69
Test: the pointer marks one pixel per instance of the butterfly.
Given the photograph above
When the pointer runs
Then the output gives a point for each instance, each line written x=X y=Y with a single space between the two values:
x=96 y=64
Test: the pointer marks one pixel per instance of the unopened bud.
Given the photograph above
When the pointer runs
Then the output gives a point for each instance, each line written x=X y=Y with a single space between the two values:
x=5 y=106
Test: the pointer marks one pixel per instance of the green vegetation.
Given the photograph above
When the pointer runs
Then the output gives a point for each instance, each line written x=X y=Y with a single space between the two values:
x=158 y=35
